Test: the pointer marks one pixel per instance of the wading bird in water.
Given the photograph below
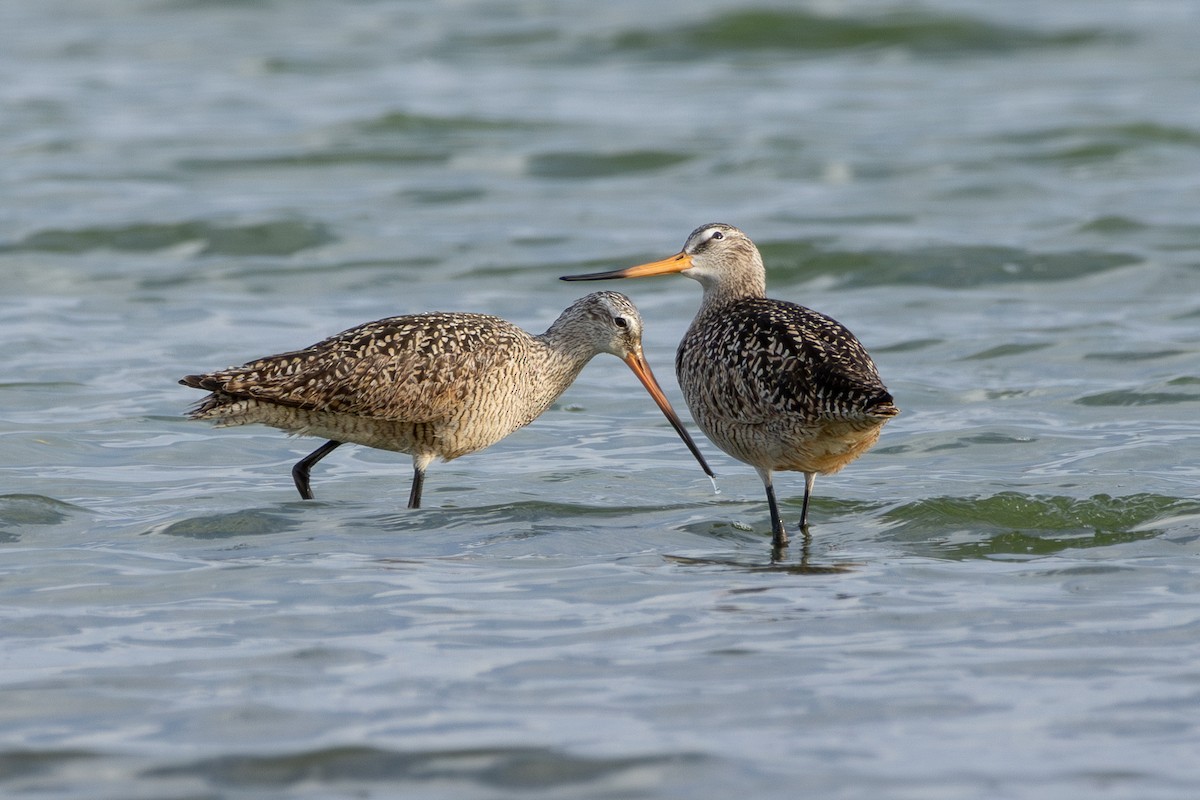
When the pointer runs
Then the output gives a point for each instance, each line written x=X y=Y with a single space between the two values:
x=773 y=384
x=436 y=385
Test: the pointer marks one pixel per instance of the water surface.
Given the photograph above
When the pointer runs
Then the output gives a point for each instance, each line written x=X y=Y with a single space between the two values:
x=1000 y=600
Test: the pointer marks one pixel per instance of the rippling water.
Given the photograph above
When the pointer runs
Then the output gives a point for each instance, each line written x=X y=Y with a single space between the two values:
x=1000 y=600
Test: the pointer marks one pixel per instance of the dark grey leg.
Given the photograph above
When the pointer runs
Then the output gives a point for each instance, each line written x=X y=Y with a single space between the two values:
x=414 y=496
x=305 y=465
x=809 y=477
x=779 y=536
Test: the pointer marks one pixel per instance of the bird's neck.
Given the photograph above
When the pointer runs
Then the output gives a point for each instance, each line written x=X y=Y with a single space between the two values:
x=718 y=293
x=564 y=356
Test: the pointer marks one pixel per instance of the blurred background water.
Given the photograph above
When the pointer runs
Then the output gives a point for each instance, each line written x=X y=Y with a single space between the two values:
x=1000 y=601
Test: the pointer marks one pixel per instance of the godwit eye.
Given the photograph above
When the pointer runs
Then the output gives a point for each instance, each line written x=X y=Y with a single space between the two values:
x=621 y=322
x=717 y=235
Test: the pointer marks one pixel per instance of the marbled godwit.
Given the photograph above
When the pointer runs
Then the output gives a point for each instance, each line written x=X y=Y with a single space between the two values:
x=771 y=383
x=431 y=385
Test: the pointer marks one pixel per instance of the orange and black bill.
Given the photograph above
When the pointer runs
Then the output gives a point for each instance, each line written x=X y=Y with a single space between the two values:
x=676 y=263
x=637 y=363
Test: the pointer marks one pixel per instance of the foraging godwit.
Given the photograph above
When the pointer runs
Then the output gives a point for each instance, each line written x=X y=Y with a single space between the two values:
x=431 y=385
x=774 y=384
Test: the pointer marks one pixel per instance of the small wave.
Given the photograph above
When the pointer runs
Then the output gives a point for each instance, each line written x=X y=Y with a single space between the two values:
x=438 y=196
x=779 y=565
x=576 y=165
x=281 y=237
x=1013 y=523
x=1138 y=355
x=18 y=511
x=336 y=156
x=1090 y=143
x=1007 y=350
x=1130 y=397
x=1112 y=224
x=799 y=31
x=18 y=764
x=399 y=122
x=396 y=138
x=909 y=346
x=515 y=768
x=252 y=522
x=946 y=266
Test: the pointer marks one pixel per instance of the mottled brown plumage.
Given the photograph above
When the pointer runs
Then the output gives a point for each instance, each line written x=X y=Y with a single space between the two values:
x=431 y=385
x=774 y=384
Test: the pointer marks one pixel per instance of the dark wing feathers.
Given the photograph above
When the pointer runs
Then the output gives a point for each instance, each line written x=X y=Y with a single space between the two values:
x=820 y=360
x=763 y=357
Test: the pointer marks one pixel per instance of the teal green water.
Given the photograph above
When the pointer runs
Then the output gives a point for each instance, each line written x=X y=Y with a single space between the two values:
x=1001 y=600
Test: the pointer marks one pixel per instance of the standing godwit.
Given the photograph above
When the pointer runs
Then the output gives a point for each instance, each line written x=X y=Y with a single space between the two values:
x=431 y=385
x=771 y=383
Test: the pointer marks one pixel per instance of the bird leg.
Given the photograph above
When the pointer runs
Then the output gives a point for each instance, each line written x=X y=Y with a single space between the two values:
x=809 y=478
x=779 y=536
x=414 y=496
x=305 y=465
x=420 y=462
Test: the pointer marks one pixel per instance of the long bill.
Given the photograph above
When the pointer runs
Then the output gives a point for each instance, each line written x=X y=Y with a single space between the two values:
x=676 y=263
x=637 y=363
